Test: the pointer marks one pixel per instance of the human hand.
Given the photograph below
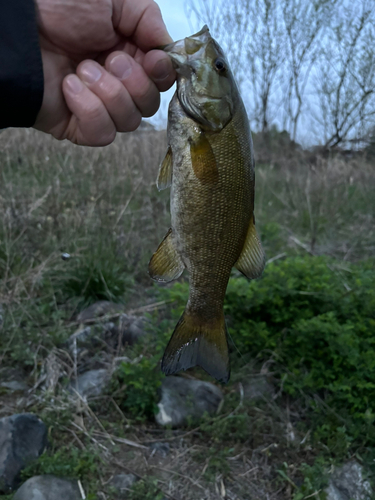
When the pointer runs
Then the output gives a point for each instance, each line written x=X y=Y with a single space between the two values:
x=100 y=76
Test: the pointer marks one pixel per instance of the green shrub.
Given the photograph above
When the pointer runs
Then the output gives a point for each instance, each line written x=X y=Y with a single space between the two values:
x=67 y=461
x=316 y=318
x=135 y=386
x=146 y=489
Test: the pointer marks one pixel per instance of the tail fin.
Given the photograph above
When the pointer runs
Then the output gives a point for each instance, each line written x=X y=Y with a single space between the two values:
x=198 y=342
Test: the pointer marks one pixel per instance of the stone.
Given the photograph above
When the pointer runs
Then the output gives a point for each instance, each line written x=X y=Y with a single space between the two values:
x=126 y=330
x=100 y=308
x=161 y=449
x=122 y=483
x=348 y=483
x=48 y=488
x=91 y=383
x=14 y=385
x=257 y=388
x=184 y=399
x=23 y=438
x=132 y=328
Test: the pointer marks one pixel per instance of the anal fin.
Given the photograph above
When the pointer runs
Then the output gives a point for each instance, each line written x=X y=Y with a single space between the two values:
x=166 y=264
x=164 y=179
x=252 y=260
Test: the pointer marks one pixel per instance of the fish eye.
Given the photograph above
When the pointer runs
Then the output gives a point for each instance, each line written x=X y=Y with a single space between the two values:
x=220 y=66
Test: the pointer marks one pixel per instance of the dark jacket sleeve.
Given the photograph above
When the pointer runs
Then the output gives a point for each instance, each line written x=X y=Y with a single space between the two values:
x=21 y=69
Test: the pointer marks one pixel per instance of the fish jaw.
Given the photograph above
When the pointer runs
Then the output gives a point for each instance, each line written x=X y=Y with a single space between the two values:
x=207 y=93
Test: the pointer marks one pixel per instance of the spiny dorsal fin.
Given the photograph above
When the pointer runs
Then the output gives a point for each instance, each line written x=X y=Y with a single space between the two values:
x=195 y=342
x=166 y=264
x=164 y=179
x=252 y=260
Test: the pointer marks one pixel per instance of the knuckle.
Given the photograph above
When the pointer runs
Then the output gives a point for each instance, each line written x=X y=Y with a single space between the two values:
x=132 y=122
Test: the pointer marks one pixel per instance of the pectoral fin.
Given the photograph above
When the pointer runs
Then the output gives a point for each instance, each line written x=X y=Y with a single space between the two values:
x=164 y=179
x=166 y=264
x=203 y=160
x=252 y=260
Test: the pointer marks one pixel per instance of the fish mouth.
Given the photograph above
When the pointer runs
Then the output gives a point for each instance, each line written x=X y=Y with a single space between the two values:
x=181 y=51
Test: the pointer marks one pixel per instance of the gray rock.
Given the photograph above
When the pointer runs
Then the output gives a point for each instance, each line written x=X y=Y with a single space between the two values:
x=14 y=385
x=348 y=483
x=132 y=328
x=48 y=488
x=1 y=316
x=257 y=388
x=91 y=383
x=23 y=438
x=100 y=308
x=184 y=399
x=122 y=483
x=161 y=449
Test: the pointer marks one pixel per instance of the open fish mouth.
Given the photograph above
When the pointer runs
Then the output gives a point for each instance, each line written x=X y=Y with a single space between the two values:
x=181 y=51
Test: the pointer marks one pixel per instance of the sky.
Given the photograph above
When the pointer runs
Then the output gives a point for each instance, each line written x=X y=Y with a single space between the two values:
x=178 y=26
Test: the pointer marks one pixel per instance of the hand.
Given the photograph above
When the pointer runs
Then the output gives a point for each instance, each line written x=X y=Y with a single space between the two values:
x=100 y=76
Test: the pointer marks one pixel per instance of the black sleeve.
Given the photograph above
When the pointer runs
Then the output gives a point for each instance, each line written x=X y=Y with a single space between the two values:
x=21 y=69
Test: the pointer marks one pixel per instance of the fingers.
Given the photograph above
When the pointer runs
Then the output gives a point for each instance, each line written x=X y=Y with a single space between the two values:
x=158 y=66
x=142 y=21
x=143 y=88
x=113 y=98
x=119 y=104
x=90 y=124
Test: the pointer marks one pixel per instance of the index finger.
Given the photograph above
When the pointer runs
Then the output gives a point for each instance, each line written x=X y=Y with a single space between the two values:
x=141 y=20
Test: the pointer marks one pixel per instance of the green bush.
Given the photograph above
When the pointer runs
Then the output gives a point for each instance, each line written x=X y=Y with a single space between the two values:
x=146 y=489
x=135 y=386
x=68 y=461
x=316 y=319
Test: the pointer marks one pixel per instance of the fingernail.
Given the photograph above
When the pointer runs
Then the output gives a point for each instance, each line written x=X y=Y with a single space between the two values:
x=90 y=73
x=121 y=66
x=161 y=70
x=74 y=83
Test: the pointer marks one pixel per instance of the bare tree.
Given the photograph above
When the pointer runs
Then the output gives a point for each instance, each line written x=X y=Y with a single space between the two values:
x=252 y=35
x=315 y=59
x=345 y=75
x=304 y=23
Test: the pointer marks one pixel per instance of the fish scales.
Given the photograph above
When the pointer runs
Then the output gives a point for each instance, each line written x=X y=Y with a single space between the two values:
x=210 y=168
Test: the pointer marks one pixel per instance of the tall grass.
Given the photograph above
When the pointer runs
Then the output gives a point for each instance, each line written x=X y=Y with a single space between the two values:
x=101 y=207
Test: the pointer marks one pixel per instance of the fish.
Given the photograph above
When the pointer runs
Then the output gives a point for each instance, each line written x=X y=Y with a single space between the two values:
x=209 y=166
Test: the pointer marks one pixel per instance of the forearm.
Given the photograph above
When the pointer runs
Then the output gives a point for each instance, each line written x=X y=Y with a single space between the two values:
x=21 y=69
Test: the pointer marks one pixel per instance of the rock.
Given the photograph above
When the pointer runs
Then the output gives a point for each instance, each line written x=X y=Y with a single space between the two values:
x=161 y=449
x=132 y=328
x=1 y=316
x=23 y=437
x=347 y=483
x=257 y=388
x=184 y=399
x=127 y=330
x=100 y=308
x=12 y=379
x=91 y=337
x=91 y=383
x=14 y=385
x=122 y=483
x=48 y=488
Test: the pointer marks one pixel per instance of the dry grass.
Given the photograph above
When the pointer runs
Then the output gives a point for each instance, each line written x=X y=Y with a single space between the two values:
x=101 y=206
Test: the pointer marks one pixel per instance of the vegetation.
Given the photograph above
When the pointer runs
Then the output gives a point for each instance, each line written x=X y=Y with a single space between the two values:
x=307 y=326
x=307 y=66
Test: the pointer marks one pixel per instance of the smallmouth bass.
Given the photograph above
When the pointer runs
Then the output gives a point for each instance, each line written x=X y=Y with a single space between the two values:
x=209 y=166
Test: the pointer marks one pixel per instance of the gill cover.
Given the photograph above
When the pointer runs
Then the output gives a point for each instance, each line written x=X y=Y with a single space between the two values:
x=205 y=85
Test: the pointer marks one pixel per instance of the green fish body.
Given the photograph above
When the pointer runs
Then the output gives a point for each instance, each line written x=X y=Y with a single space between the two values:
x=210 y=168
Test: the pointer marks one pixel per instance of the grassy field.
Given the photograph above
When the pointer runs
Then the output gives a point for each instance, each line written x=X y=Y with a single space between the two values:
x=308 y=324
